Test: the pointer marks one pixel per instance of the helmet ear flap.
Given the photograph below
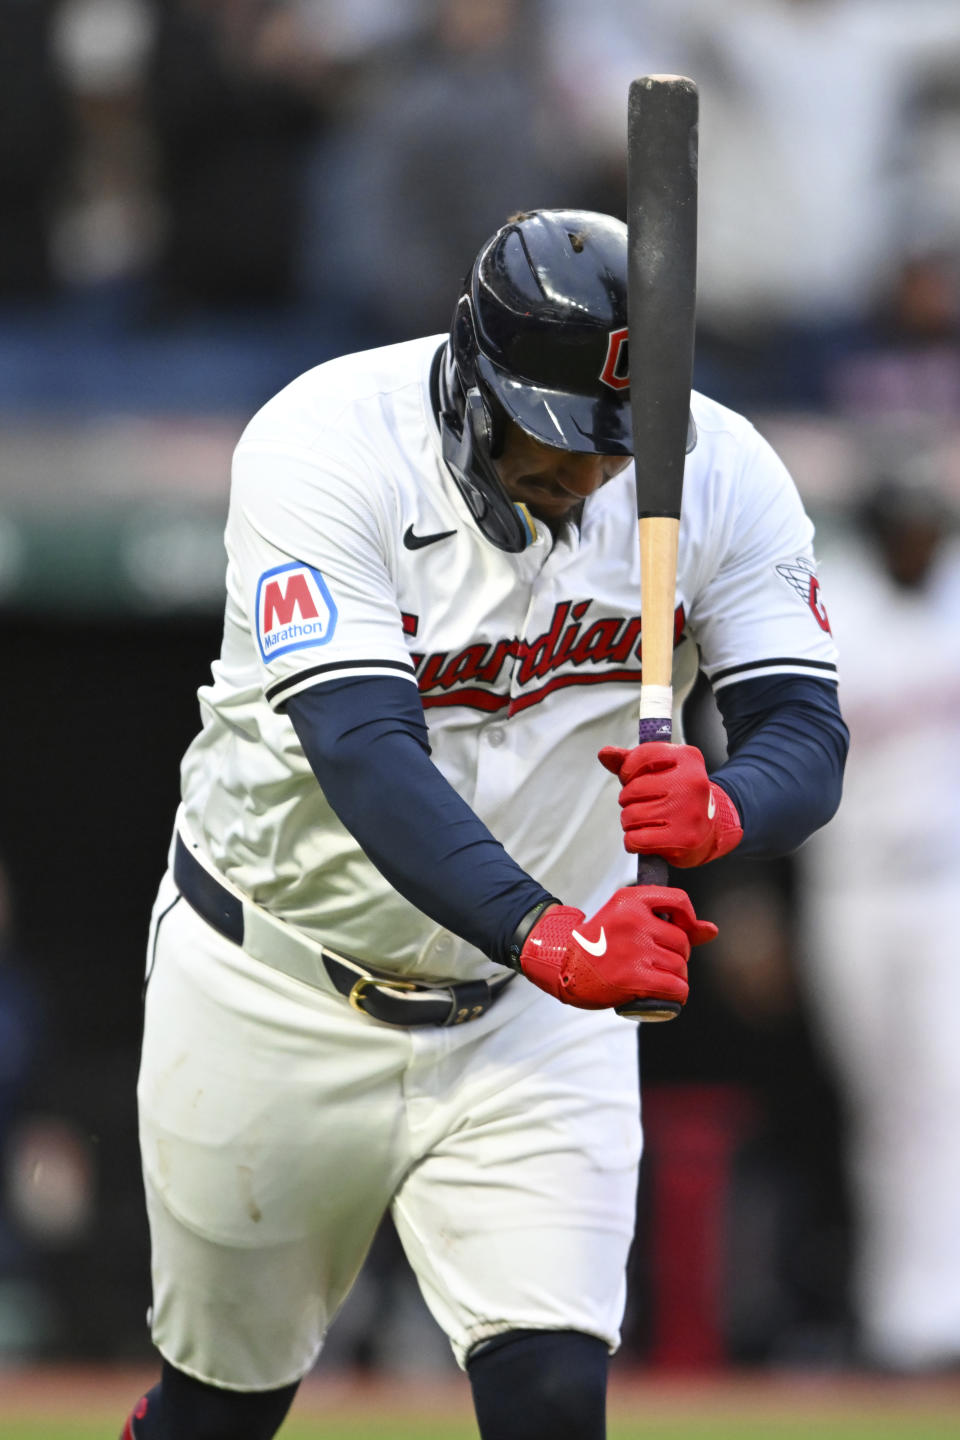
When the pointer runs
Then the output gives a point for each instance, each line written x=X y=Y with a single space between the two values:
x=473 y=426
x=463 y=337
x=496 y=422
x=489 y=418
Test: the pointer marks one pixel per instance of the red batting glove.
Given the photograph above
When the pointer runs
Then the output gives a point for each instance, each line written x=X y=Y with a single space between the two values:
x=669 y=804
x=636 y=947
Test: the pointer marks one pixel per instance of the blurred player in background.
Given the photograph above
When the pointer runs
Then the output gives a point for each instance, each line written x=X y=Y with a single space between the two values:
x=880 y=895
x=372 y=979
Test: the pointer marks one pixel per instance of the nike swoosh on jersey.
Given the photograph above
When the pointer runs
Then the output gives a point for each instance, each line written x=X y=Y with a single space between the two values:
x=593 y=947
x=417 y=542
x=711 y=806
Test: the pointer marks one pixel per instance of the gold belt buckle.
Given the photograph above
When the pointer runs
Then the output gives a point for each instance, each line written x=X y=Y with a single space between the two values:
x=360 y=986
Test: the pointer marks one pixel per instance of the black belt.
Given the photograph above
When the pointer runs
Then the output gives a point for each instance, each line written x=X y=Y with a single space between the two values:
x=387 y=998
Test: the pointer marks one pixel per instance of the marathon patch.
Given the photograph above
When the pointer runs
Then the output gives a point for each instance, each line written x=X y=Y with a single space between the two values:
x=294 y=609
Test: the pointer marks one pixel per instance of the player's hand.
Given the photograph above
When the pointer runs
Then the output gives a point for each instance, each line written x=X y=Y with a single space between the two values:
x=636 y=947
x=669 y=806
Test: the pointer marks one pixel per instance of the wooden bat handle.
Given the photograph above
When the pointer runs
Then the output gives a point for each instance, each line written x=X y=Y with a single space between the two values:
x=659 y=535
x=659 y=538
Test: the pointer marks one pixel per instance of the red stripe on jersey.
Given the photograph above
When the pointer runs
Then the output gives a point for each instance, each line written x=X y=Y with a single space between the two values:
x=533 y=697
x=484 y=700
x=475 y=699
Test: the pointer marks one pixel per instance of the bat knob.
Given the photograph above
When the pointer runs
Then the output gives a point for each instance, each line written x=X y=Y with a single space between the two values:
x=650 y=1011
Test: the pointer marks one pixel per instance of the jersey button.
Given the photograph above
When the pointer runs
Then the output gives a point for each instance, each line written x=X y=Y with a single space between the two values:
x=495 y=737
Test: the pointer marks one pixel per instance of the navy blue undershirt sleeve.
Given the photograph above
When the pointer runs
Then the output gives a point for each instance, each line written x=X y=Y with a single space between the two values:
x=366 y=741
x=787 y=744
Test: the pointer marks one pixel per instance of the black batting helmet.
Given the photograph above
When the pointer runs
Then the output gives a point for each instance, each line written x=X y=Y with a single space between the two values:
x=539 y=336
x=541 y=328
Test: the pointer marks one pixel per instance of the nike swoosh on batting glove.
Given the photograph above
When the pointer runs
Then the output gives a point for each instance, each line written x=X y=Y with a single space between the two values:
x=635 y=947
x=669 y=806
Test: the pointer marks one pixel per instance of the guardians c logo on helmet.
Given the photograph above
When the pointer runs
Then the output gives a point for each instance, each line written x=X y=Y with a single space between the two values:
x=616 y=366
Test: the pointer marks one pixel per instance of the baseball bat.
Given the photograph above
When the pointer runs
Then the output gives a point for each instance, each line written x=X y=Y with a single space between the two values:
x=662 y=115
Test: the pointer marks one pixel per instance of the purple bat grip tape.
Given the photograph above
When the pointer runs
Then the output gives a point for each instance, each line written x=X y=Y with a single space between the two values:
x=656 y=728
x=651 y=869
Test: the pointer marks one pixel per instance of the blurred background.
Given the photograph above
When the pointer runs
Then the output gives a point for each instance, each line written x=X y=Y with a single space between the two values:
x=199 y=199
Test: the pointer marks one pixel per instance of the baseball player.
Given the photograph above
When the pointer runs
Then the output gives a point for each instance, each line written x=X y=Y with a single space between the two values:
x=386 y=961
x=878 y=899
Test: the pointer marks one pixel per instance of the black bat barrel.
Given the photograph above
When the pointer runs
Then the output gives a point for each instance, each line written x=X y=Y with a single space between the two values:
x=662 y=120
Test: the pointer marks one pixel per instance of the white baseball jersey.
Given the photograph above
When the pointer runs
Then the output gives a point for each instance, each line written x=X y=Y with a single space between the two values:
x=351 y=552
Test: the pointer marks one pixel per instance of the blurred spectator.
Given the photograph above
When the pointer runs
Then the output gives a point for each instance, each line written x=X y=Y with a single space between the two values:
x=880 y=895
x=19 y=1017
x=24 y=1313
x=33 y=140
x=802 y=162
x=344 y=35
x=432 y=155
x=231 y=103
x=909 y=365
x=106 y=224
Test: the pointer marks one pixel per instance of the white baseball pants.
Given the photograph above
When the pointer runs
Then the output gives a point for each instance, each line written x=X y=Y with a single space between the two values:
x=277 y=1126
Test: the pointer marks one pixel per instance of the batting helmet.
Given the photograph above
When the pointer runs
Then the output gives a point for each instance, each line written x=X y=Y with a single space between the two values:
x=539 y=336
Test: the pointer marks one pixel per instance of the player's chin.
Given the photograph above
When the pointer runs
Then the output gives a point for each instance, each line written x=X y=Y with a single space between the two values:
x=547 y=509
